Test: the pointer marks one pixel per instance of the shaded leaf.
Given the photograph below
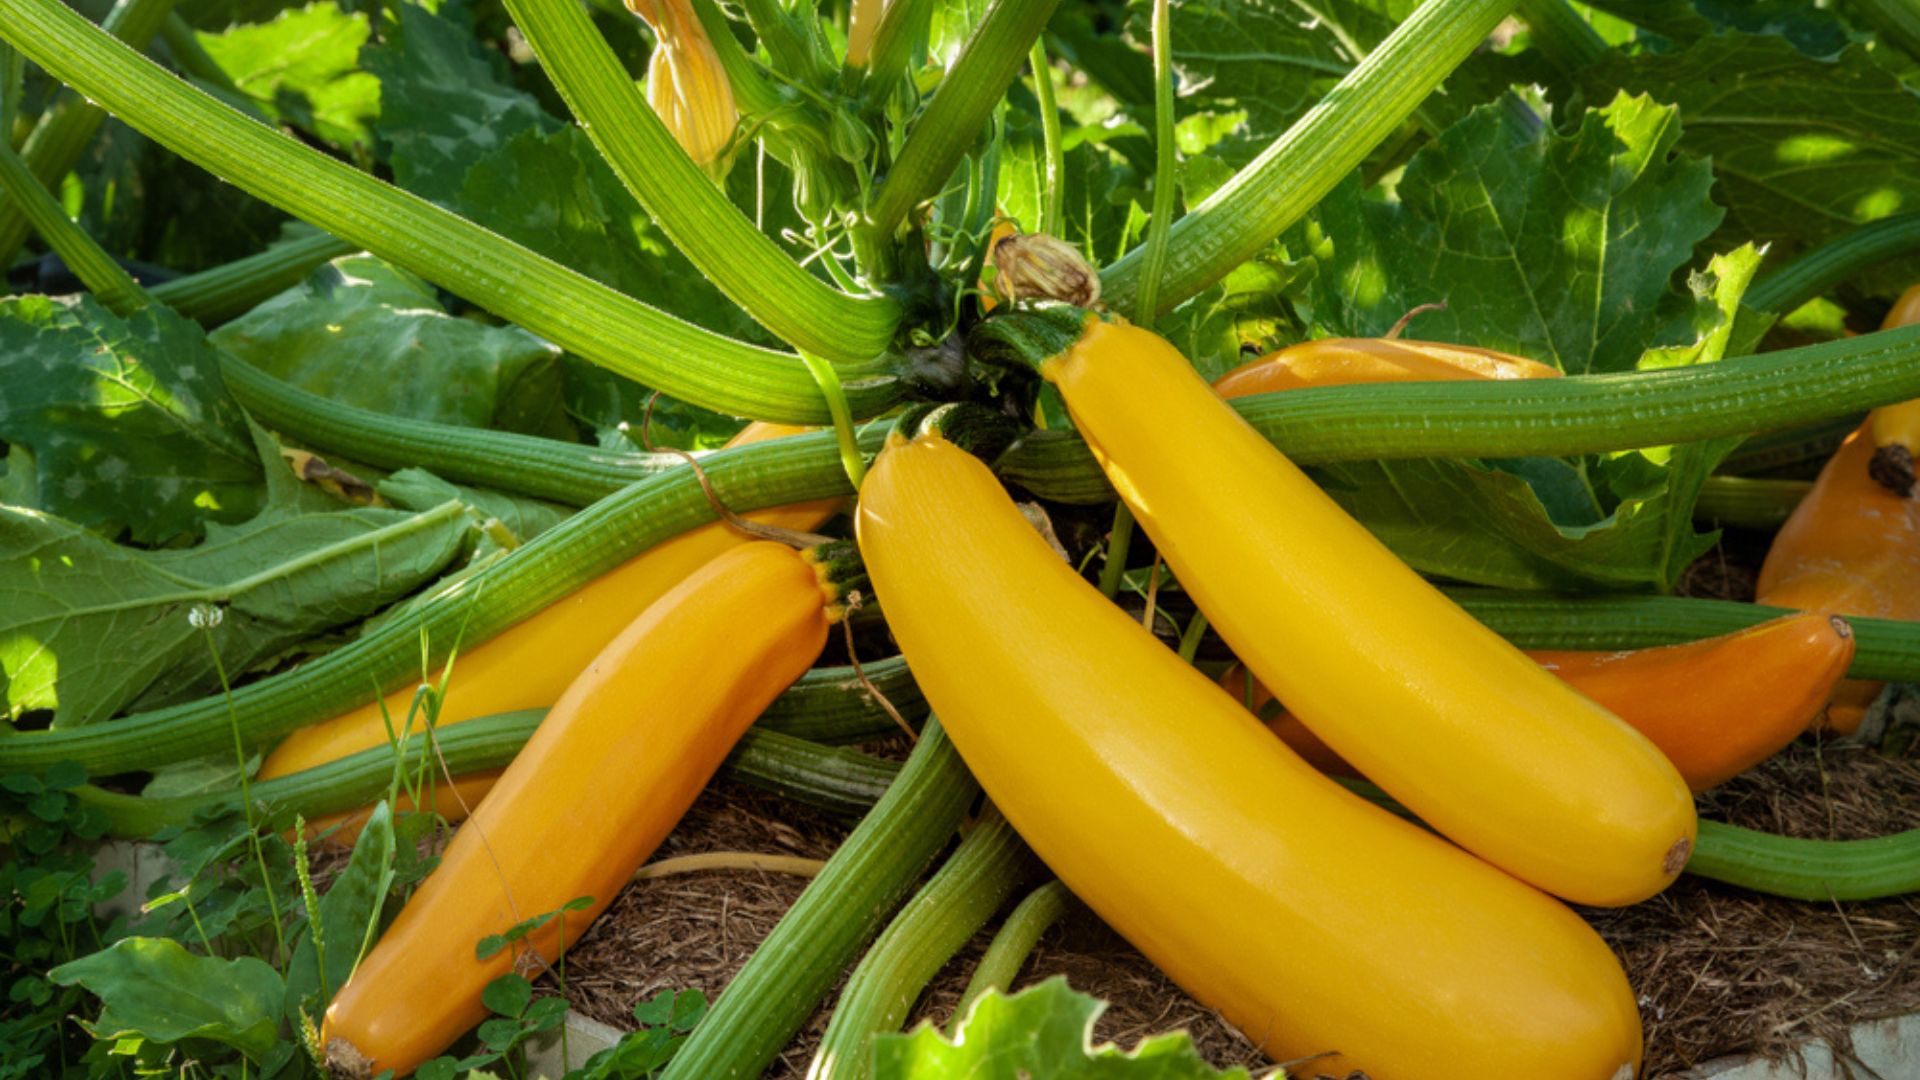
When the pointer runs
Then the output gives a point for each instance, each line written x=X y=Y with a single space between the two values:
x=361 y=332
x=443 y=102
x=1804 y=148
x=129 y=421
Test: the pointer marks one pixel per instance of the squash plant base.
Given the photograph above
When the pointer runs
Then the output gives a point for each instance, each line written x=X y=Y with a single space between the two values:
x=1727 y=973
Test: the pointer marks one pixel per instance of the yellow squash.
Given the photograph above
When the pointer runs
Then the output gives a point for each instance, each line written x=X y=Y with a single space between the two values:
x=609 y=771
x=1851 y=547
x=529 y=664
x=1447 y=717
x=1896 y=427
x=1315 y=921
x=1338 y=361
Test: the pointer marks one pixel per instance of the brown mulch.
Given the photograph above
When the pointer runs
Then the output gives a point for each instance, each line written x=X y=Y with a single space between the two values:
x=1719 y=970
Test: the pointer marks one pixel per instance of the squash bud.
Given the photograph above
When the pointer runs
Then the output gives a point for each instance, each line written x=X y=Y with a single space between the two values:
x=1040 y=267
x=686 y=84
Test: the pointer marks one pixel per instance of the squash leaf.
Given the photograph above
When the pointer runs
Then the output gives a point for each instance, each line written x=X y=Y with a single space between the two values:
x=1044 y=1030
x=1559 y=247
x=302 y=69
x=1839 y=144
x=153 y=988
x=364 y=333
x=1555 y=247
x=129 y=423
x=88 y=627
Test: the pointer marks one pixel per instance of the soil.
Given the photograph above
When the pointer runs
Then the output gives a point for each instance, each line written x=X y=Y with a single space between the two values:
x=1720 y=971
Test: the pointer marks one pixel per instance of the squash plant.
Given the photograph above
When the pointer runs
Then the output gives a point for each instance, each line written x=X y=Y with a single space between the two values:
x=494 y=262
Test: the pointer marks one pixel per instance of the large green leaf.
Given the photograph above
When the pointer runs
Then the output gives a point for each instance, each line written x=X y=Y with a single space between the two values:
x=302 y=69
x=1043 y=1031
x=1805 y=149
x=1261 y=64
x=362 y=332
x=153 y=988
x=129 y=421
x=443 y=102
x=88 y=627
x=1815 y=31
x=1556 y=247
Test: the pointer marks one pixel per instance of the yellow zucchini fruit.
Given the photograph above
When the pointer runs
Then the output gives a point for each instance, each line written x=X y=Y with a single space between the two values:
x=1441 y=712
x=529 y=664
x=605 y=777
x=1339 y=361
x=1315 y=921
x=1896 y=427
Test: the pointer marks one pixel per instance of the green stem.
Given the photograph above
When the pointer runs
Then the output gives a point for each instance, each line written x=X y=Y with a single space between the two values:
x=843 y=429
x=1301 y=166
x=1191 y=637
x=893 y=43
x=829 y=705
x=105 y=278
x=1461 y=419
x=1818 y=870
x=1054 y=181
x=1119 y=540
x=69 y=124
x=561 y=305
x=1537 y=417
x=754 y=92
x=800 y=309
x=1748 y=504
x=954 y=904
x=781 y=37
x=1568 y=41
x=216 y=295
x=1802 y=446
x=1011 y=946
x=840 y=911
x=1817 y=271
x=1896 y=21
x=838 y=780
x=1885 y=649
x=952 y=121
x=544 y=468
x=13 y=78
x=1153 y=259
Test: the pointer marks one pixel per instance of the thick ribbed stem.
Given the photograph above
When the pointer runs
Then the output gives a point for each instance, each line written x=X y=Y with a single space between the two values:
x=1013 y=943
x=841 y=910
x=1819 y=270
x=954 y=904
x=953 y=120
x=216 y=295
x=696 y=215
